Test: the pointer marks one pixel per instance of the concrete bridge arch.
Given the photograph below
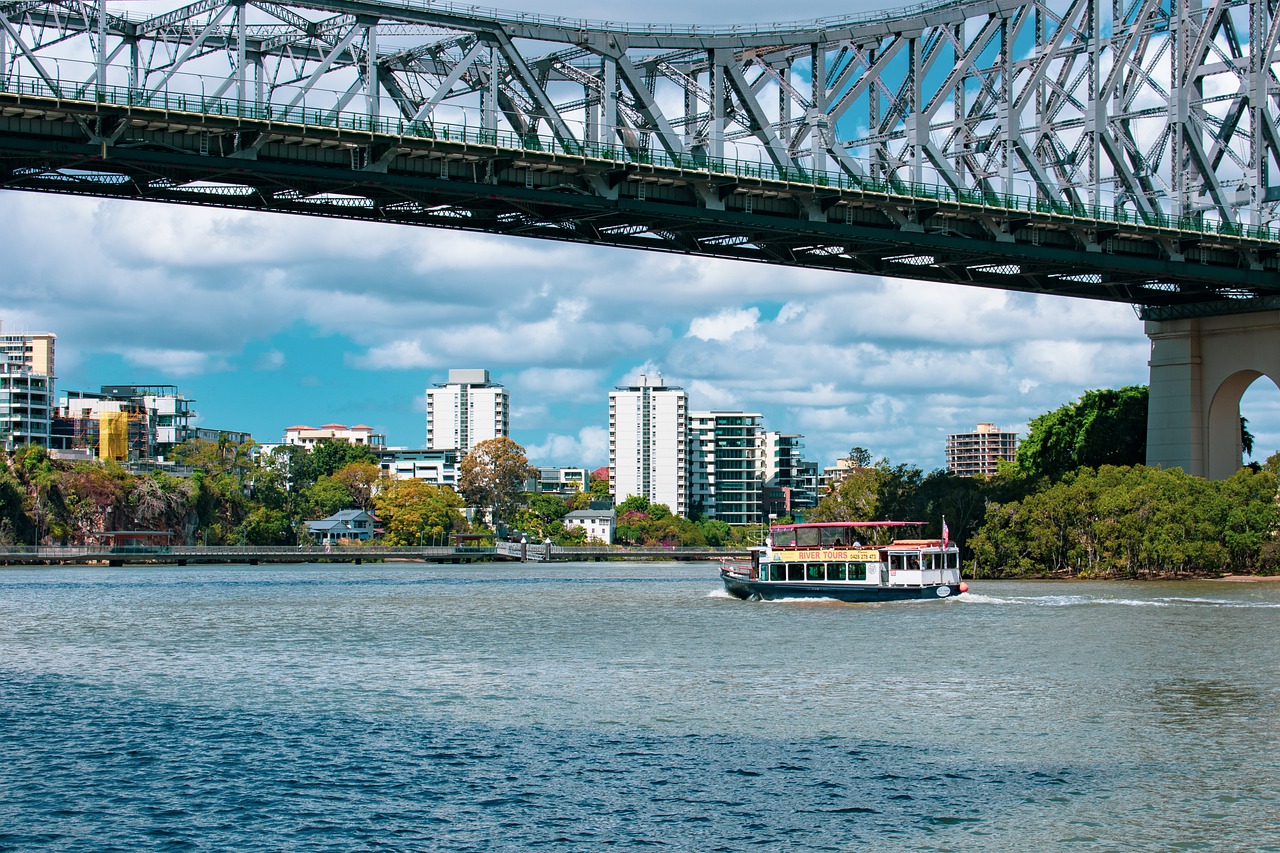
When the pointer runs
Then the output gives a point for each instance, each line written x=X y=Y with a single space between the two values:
x=1200 y=368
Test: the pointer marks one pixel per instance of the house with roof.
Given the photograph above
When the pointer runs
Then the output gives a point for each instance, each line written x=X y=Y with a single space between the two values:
x=600 y=524
x=350 y=524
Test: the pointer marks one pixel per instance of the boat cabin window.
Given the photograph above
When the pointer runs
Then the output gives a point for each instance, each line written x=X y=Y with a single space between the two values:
x=795 y=572
x=899 y=562
x=836 y=572
x=904 y=562
x=817 y=572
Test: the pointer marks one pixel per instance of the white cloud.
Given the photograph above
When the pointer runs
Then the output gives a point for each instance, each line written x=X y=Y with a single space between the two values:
x=576 y=384
x=724 y=325
x=270 y=360
x=396 y=355
x=789 y=312
x=168 y=362
x=589 y=448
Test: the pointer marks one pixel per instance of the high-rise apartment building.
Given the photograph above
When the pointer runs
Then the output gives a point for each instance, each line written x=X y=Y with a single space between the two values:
x=789 y=483
x=978 y=453
x=725 y=472
x=465 y=411
x=648 y=425
x=32 y=352
x=26 y=389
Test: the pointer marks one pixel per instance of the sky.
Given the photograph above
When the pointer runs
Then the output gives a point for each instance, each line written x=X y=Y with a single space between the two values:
x=270 y=320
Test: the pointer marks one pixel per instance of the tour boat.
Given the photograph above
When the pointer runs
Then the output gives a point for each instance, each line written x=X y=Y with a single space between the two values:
x=831 y=560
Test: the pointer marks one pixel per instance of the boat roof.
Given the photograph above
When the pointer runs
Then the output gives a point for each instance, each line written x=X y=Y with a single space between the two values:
x=847 y=524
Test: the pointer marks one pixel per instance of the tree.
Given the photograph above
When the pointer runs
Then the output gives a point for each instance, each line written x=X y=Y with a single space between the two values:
x=263 y=526
x=1105 y=427
x=859 y=457
x=544 y=517
x=325 y=459
x=1133 y=521
x=362 y=481
x=600 y=490
x=413 y=512
x=16 y=526
x=493 y=475
x=327 y=496
x=93 y=497
x=856 y=498
x=634 y=503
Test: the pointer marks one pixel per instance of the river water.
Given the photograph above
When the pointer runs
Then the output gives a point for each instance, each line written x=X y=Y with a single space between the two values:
x=630 y=707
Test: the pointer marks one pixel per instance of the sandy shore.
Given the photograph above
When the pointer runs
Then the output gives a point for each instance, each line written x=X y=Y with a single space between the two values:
x=1248 y=578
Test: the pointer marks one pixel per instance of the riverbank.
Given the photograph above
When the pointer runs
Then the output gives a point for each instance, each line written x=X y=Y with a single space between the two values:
x=1247 y=578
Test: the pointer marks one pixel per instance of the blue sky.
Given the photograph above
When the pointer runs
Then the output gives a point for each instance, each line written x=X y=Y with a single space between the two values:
x=269 y=321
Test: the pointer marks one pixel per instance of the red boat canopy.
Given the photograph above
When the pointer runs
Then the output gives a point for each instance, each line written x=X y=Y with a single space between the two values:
x=819 y=524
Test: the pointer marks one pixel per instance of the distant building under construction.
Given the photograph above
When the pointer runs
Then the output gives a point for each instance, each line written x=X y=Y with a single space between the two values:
x=126 y=423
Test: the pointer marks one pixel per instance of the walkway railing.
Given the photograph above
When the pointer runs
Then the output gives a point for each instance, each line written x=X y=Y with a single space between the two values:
x=537 y=144
x=530 y=552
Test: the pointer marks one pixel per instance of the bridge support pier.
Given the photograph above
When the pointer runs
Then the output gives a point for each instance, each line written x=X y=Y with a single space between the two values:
x=1200 y=368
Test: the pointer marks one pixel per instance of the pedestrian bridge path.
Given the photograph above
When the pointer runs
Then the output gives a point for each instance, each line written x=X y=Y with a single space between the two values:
x=18 y=555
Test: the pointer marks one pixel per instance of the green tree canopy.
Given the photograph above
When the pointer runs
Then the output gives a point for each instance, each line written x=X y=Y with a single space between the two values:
x=1105 y=427
x=856 y=498
x=327 y=496
x=1134 y=521
x=325 y=459
x=413 y=512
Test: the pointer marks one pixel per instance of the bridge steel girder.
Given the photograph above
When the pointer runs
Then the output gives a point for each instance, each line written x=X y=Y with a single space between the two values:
x=1156 y=109
x=156 y=154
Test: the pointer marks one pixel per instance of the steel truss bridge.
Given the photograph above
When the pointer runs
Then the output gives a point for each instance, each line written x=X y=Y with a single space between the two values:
x=1125 y=151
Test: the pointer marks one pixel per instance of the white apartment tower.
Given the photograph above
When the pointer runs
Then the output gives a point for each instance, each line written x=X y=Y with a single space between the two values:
x=465 y=411
x=648 y=425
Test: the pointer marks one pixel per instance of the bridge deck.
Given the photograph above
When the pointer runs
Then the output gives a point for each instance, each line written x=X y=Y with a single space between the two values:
x=208 y=151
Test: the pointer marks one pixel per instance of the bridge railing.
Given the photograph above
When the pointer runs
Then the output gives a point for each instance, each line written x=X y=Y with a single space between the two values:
x=71 y=552
x=302 y=115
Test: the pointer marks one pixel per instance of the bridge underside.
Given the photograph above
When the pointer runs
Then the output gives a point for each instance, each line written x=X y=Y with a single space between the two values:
x=463 y=179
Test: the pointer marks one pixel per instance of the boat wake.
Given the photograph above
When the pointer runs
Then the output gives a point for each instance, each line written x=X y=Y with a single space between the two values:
x=1088 y=601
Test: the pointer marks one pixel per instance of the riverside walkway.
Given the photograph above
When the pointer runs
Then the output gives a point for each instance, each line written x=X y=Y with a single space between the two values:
x=182 y=555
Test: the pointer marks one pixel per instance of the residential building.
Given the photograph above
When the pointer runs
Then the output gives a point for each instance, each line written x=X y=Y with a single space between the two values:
x=350 y=524
x=832 y=476
x=308 y=437
x=26 y=413
x=466 y=410
x=648 y=429
x=600 y=524
x=215 y=435
x=558 y=481
x=437 y=467
x=26 y=389
x=979 y=453
x=31 y=351
x=789 y=484
x=725 y=472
